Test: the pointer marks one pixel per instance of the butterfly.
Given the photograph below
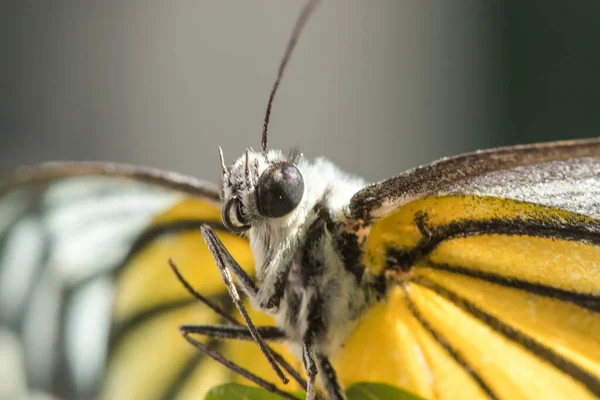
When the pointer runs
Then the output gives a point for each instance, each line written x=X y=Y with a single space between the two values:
x=476 y=276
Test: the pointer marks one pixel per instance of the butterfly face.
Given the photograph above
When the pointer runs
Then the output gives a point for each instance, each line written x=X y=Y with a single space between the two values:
x=260 y=186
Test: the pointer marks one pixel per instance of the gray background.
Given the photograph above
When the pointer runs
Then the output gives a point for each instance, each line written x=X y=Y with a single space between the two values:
x=376 y=86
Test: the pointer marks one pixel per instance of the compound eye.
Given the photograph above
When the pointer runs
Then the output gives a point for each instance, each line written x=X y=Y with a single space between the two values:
x=280 y=190
x=233 y=217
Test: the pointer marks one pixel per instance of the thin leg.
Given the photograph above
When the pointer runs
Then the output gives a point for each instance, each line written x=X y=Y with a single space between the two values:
x=237 y=368
x=220 y=312
x=218 y=250
x=269 y=295
x=266 y=300
x=233 y=332
x=244 y=280
x=238 y=333
x=329 y=379
x=310 y=366
x=278 y=357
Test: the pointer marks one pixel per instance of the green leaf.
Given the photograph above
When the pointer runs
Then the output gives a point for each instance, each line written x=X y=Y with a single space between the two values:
x=235 y=391
x=378 y=391
x=358 y=391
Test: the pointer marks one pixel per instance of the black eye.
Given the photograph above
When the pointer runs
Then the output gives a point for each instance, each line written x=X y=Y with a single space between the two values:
x=280 y=189
x=232 y=216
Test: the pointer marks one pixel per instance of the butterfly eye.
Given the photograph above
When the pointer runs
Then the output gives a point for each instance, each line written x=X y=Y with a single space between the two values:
x=233 y=217
x=280 y=189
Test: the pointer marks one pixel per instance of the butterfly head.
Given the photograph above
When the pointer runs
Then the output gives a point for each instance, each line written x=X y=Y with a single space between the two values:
x=267 y=185
x=260 y=186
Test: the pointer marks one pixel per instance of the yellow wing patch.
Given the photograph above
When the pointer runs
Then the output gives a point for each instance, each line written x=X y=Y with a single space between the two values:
x=567 y=328
x=501 y=297
x=149 y=357
x=153 y=355
x=367 y=356
x=403 y=229
x=146 y=281
x=505 y=368
x=448 y=379
x=564 y=264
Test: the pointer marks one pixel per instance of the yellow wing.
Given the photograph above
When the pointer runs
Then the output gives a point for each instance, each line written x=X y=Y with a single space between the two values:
x=149 y=358
x=86 y=289
x=493 y=289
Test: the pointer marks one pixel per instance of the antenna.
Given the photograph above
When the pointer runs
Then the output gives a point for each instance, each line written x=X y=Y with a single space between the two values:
x=246 y=170
x=222 y=159
x=300 y=22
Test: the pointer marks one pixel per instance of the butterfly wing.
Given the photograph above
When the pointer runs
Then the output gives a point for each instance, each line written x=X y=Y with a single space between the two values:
x=492 y=261
x=86 y=289
x=378 y=199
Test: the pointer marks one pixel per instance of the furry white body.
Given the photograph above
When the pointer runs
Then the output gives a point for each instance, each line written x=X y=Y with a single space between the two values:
x=280 y=247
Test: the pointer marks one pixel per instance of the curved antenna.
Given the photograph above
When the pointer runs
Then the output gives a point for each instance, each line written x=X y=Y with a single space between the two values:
x=247 y=170
x=302 y=18
x=222 y=159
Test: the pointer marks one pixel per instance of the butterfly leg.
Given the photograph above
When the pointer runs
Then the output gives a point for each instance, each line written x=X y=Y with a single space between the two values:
x=234 y=332
x=269 y=296
x=310 y=366
x=224 y=260
x=238 y=332
x=315 y=362
x=328 y=376
x=329 y=379
x=236 y=325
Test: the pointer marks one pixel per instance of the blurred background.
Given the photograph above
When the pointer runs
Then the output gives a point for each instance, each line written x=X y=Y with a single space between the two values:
x=376 y=86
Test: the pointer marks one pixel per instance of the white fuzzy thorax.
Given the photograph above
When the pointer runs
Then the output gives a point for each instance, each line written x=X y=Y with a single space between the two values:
x=325 y=183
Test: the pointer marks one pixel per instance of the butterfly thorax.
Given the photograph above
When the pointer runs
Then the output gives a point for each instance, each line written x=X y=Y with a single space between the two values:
x=305 y=277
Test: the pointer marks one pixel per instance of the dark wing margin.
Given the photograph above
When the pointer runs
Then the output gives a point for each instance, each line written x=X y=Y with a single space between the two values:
x=42 y=173
x=377 y=199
